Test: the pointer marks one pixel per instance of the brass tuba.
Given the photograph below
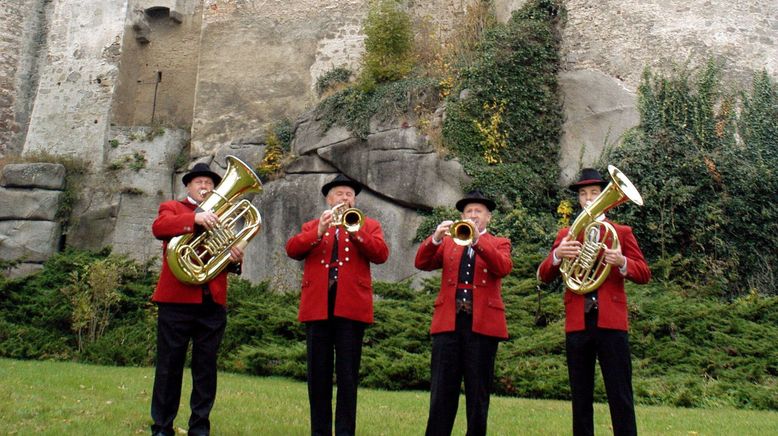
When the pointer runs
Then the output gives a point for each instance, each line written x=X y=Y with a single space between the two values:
x=588 y=271
x=196 y=258
x=462 y=232
x=351 y=218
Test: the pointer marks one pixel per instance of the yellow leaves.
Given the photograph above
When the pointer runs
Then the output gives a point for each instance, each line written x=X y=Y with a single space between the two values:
x=493 y=140
x=565 y=210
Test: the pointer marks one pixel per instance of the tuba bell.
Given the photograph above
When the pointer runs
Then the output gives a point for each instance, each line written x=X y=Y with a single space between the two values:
x=350 y=218
x=196 y=258
x=462 y=232
x=589 y=270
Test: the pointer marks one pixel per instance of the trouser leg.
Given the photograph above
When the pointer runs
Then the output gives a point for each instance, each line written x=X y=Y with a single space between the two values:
x=348 y=355
x=173 y=333
x=479 y=353
x=320 y=344
x=581 y=354
x=446 y=378
x=616 y=365
x=206 y=338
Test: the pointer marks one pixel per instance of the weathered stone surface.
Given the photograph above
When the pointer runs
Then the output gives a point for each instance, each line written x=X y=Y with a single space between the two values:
x=598 y=110
x=621 y=38
x=29 y=204
x=34 y=175
x=288 y=203
x=71 y=116
x=309 y=164
x=30 y=241
x=251 y=154
x=311 y=136
x=118 y=206
x=401 y=165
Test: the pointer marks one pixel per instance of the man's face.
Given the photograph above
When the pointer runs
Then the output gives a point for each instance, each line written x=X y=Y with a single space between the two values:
x=587 y=194
x=195 y=187
x=478 y=213
x=341 y=194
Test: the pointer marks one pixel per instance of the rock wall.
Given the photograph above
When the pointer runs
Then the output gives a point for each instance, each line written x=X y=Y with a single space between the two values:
x=95 y=80
x=72 y=111
x=22 y=34
x=29 y=199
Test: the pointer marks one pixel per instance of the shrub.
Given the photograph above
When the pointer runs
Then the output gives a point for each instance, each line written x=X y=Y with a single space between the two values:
x=505 y=121
x=388 y=44
x=710 y=212
x=332 y=79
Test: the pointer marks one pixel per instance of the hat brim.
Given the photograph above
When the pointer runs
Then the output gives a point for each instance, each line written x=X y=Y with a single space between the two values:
x=578 y=185
x=485 y=201
x=356 y=186
x=189 y=176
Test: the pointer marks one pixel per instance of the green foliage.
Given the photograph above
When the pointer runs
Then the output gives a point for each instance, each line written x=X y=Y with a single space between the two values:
x=284 y=132
x=432 y=219
x=688 y=350
x=388 y=44
x=506 y=125
x=37 y=313
x=332 y=79
x=710 y=213
x=92 y=296
x=353 y=108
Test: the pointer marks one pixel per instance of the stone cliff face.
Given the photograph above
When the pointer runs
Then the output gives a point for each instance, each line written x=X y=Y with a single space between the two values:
x=92 y=80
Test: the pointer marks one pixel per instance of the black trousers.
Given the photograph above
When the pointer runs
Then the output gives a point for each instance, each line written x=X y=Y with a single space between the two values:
x=338 y=341
x=455 y=355
x=177 y=324
x=611 y=348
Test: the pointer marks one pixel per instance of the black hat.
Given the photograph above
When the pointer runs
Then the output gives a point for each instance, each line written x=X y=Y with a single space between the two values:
x=201 y=169
x=341 y=180
x=589 y=176
x=475 y=197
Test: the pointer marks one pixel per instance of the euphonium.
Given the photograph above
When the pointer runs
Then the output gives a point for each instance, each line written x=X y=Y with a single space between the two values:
x=589 y=270
x=462 y=232
x=197 y=258
x=351 y=218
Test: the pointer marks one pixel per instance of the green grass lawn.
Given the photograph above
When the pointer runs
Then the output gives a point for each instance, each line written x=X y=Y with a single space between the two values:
x=75 y=399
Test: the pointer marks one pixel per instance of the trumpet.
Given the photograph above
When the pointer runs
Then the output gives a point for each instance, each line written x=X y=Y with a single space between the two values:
x=462 y=232
x=350 y=218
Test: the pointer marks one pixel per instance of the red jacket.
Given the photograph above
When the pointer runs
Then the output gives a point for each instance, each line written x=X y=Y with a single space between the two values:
x=492 y=263
x=612 y=300
x=176 y=218
x=355 y=253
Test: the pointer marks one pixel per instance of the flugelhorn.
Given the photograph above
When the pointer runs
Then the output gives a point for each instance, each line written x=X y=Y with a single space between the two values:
x=589 y=270
x=197 y=258
x=462 y=232
x=350 y=218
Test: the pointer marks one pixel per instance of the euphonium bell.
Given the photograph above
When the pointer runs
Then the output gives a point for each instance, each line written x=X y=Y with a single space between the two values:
x=350 y=218
x=588 y=271
x=462 y=232
x=197 y=258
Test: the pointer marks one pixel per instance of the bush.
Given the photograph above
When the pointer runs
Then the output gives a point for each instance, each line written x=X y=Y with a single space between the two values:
x=506 y=125
x=388 y=44
x=709 y=218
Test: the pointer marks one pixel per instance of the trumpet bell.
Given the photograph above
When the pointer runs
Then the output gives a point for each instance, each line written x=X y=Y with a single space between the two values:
x=351 y=218
x=462 y=232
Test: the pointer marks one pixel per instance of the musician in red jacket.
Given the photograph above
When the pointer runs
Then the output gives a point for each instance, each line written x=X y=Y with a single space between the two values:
x=596 y=323
x=336 y=304
x=188 y=312
x=469 y=316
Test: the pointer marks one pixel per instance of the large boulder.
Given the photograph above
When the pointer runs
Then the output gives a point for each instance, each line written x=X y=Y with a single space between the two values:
x=34 y=175
x=28 y=241
x=402 y=175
